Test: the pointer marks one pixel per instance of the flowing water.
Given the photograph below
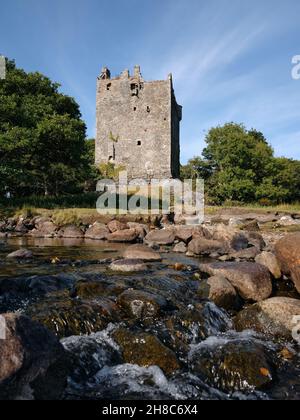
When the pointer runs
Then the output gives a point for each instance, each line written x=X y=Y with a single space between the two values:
x=69 y=288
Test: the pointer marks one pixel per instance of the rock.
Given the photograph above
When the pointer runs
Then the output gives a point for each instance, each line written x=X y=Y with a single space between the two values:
x=251 y=280
x=255 y=239
x=233 y=365
x=115 y=225
x=235 y=239
x=220 y=291
x=287 y=251
x=180 y=248
x=161 y=237
x=31 y=361
x=45 y=228
x=146 y=350
x=98 y=231
x=235 y=222
x=21 y=254
x=252 y=226
x=141 y=305
x=141 y=229
x=125 y=235
x=245 y=254
x=141 y=252
x=128 y=265
x=184 y=233
x=287 y=221
x=273 y=317
x=270 y=261
x=202 y=246
x=71 y=232
x=67 y=317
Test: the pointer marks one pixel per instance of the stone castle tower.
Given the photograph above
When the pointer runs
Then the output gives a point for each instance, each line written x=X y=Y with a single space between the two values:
x=138 y=125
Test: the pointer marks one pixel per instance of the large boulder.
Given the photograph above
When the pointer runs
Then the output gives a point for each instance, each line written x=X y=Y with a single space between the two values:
x=32 y=362
x=235 y=239
x=71 y=231
x=44 y=228
x=97 y=231
x=220 y=291
x=161 y=237
x=233 y=365
x=202 y=246
x=139 y=304
x=146 y=350
x=251 y=280
x=270 y=261
x=125 y=235
x=184 y=233
x=277 y=317
x=141 y=252
x=115 y=225
x=287 y=251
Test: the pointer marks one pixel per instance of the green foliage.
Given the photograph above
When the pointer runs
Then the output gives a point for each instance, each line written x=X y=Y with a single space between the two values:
x=238 y=165
x=110 y=170
x=42 y=137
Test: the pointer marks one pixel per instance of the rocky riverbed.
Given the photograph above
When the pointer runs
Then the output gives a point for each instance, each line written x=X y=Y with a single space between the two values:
x=136 y=310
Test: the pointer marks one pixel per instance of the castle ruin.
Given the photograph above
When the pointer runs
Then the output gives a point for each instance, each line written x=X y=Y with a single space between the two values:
x=138 y=125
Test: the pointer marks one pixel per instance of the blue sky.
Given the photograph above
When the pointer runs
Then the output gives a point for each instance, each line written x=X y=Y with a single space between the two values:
x=231 y=59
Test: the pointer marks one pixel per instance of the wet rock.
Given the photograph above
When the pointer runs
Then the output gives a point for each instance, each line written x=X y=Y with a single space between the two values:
x=125 y=235
x=21 y=254
x=31 y=359
x=87 y=289
x=190 y=326
x=202 y=246
x=180 y=248
x=220 y=291
x=251 y=280
x=98 y=231
x=270 y=261
x=67 y=317
x=273 y=317
x=140 y=304
x=161 y=237
x=141 y=252
x=116 y=225
x=128 y=265
x=287 y=251
x=145 y=350
x=233 y=365
x=245 y=254
x=72 y=232
x=88 y=354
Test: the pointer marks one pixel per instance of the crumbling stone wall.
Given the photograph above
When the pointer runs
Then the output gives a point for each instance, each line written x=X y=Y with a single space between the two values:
x=138 y=125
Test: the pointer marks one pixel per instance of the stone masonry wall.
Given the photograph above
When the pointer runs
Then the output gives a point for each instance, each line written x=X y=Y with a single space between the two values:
x=138 y=125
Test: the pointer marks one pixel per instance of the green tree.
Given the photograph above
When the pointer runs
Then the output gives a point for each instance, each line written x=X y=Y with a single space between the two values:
x=42 y=137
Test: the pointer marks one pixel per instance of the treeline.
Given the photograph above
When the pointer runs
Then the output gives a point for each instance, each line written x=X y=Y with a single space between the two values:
x=43 y=146
x=238 y=165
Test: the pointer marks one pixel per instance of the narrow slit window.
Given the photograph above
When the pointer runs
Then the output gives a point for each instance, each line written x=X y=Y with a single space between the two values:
x=139 y=143
x=148 y=109
x=108 y=86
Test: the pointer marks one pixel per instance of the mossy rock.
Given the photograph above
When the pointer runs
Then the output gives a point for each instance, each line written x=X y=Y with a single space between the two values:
x=66 y=316
x=145 y=350
x=235 y=366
